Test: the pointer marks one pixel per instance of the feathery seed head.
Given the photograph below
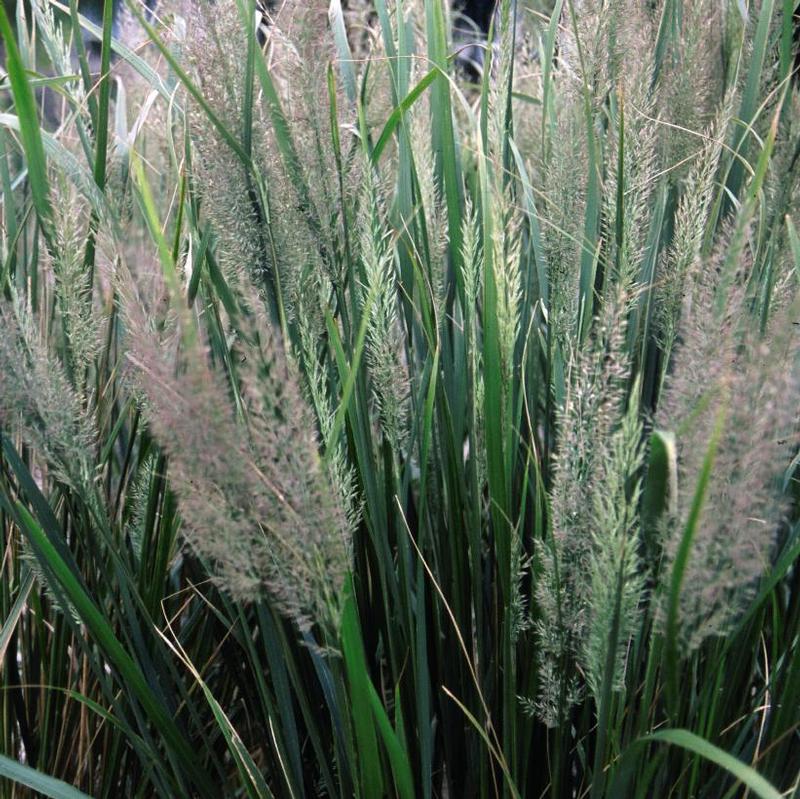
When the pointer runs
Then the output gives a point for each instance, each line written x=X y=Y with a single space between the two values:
x=38 y=401
x=254 y=495
x=755 y=382
x=384 y=337
x=589 y=558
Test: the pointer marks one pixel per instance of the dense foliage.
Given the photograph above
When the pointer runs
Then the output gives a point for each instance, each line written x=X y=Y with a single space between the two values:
x=368 y=431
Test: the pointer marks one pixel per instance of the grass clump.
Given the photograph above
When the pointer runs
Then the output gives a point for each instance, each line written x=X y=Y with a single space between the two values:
x=368 y=432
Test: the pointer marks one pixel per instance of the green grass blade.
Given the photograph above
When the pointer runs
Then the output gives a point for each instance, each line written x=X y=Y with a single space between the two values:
x=750 y=94
x=151 y=77
x=348 y=372
x=661 y=486
x=369 y=764
x=781 y=568
x=28 y=126
x=699 y=746
x=548 y=118
x=537 y=245
x=336 y=16
x=11 y=621
x=66 y=161
x=397 y=114
x=98 y=626
x=255 y=784
x=682 y=558
x=43 y=784
x=443 y=131
x=104 y=91
x=398 y=758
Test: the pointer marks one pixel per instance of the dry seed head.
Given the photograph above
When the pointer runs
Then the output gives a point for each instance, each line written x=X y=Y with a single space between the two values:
x=617 y=583
x=564 y=177
x=300 y=46
x=61 y=56
x=74 y=290
x=37 y=400
x=507 y=242
x=758 y=389
x=678 y=267
x=690 y=79
x=572 y=606
x=139 y=499
x=639 y=163
x=385 y=345
x=254 y=495
x=340 y=472
x=755 y=383
x=473 y=289
x=214 y=42
x=431 y=208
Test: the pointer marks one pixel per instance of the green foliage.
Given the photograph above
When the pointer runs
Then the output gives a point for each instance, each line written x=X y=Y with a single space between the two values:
x=364 y=432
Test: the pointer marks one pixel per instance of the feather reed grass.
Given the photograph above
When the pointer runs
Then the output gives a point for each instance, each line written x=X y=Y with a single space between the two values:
x=366 y=433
